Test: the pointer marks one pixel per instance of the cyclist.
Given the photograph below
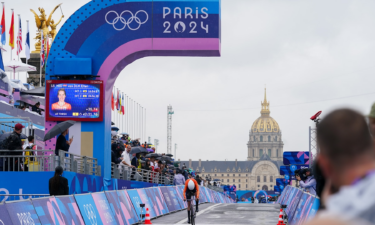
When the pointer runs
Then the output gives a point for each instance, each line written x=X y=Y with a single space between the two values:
x=191 y=189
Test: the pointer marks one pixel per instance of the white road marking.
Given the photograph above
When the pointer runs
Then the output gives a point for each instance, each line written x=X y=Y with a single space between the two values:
x=199 y=213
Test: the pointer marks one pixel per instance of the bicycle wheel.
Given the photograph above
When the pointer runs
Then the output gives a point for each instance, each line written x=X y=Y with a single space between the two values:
x=192 y=214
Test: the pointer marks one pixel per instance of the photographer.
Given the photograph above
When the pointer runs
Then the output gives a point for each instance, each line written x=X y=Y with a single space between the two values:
x=309 y=184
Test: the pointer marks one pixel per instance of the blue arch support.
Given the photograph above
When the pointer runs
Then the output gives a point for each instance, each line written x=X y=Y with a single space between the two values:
x=111 y=34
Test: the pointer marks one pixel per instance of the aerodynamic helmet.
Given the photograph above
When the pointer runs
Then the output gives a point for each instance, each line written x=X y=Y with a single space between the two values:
x=191 y=185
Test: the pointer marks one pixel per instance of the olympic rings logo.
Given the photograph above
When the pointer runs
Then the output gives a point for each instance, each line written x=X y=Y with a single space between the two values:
x=121 y=19
x=90 y=213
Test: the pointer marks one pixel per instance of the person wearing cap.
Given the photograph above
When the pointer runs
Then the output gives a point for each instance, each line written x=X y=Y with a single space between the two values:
x=371 y=118
x=14 y=142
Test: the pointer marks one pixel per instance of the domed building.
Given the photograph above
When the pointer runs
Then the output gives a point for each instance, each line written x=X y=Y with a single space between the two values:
x=265 y=136
x=265 y=156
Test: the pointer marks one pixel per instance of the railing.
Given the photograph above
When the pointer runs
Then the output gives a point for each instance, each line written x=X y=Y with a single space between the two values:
x=11 y=197
x=123 y=172
x=216 y=188
x=79 y=164
x=17 y=160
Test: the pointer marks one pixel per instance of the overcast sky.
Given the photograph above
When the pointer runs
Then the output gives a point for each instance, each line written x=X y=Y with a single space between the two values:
x=312 y=55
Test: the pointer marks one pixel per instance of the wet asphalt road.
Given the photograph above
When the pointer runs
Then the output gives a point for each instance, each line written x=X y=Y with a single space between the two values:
x=259 y=214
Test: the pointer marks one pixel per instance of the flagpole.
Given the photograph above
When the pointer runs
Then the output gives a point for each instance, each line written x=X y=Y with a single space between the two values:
x=26 y=38
x=18 y=53
x=11 y=47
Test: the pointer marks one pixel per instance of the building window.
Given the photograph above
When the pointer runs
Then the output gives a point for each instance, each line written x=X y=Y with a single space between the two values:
x=234 y=175
x=271 y=178
x=234 y=180
x=275 y=138
x=260 y=152
x=269 y=152
x=227 y=175
x=239 y=180
x=277 y=152
x=253 y=153
x=246 y=185
x=246 y=174
x=239 y=185
x=227 y=180
x=264 y=178
x=222 y=180
x=269 y=138
x=258 y=185
x=261 y=138
x=258 y=179
x=222 y=175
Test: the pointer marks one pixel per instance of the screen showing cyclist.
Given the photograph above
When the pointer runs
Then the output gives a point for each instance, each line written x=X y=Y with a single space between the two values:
x=191 y=189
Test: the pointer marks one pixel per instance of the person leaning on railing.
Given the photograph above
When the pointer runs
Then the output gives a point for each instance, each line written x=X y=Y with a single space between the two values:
x=13 y=142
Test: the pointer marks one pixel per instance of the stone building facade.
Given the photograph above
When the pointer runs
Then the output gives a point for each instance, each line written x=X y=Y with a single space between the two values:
x=265 y=155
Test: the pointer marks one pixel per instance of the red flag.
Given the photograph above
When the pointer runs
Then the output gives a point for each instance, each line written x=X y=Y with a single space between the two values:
x=47 y=49
x=11 y=32
x=113 y=102
x=3 y=37
x=118 y=101
x=122 y=105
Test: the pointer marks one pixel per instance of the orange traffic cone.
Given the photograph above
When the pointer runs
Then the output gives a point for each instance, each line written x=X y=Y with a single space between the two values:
x=281 y=221
x=147 y=220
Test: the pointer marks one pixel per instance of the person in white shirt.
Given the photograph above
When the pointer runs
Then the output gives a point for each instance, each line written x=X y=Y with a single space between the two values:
x=126 y=156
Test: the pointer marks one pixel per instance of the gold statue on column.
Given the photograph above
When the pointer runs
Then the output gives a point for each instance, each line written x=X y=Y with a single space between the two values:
x=43 y=24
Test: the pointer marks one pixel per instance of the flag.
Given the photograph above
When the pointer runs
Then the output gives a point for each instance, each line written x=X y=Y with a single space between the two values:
x=118 y=101
x=27 y=43
x=11 y=32
x=119 y=105
x=47 y=49
x=1 y=62
x=122 y=105
x=19 y=37
x=113 y=102
x=3 y=37
x=42 y=50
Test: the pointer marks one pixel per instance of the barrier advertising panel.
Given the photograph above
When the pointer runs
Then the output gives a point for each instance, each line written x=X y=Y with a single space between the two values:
x=158 y=204
x=48 y=211
x=303 y=205
x=293 y=204
x=173 y=192
x=180 y=195
x=137 y=197
x=207 y=193
x=172 y=202
x=127 y=208
x=114 y=203
x=314 y=208
x=22 y=212
x=105 y=211
x=69 y=209
x=291 y=196
x=4 y=215
x=89 y=212
x=287 y=194
x=202 y=194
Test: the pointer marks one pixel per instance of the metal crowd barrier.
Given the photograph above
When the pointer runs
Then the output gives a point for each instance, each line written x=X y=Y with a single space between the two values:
x=17 y=160
x=79 y=164
x=7 y=124
x=13 y=197
x=216 y=188
x=123 y=172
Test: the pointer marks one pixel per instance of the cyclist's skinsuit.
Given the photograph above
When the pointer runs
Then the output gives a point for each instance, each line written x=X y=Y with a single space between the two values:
x=188 y=193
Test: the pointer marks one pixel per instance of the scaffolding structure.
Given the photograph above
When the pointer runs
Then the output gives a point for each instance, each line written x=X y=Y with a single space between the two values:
x=169 y=129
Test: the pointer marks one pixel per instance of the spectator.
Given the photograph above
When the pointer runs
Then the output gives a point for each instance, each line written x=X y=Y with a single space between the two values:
x=36 y=108
x=134 y=164
x=371 y=118
x=58 y=185
x=126 y=156
x=62 y=143
x=23 y=107
x=198 y=179
x=347 y=160
x=178 y=178
x=29 y=161
x=185 y=173
x=116 y=152
x=309 y=184
x=14 y=142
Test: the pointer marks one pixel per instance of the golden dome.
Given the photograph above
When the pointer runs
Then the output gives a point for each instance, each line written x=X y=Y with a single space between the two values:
x=265 y=123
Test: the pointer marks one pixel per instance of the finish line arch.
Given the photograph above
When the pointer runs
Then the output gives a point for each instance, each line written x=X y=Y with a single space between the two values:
x=104 y=36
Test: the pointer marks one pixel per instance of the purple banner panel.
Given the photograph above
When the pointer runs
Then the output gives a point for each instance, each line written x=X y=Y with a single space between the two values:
x=180 y=195
x=173 y=192
x=48 y=211
x=114 y=203
x=22 y=212
x=285 y=199
x=89 y=212
x=293 y=204
x=69 y=209
x=104 y=208
x=202 y=194
x=138 y=196
x=157 y=201
x=170 y=199
x=207 y=193
x=4 y=215
x=127 y=207
x=302 y=210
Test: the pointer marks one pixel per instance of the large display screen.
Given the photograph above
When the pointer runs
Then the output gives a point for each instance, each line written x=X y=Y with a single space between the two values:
x=74 y=100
